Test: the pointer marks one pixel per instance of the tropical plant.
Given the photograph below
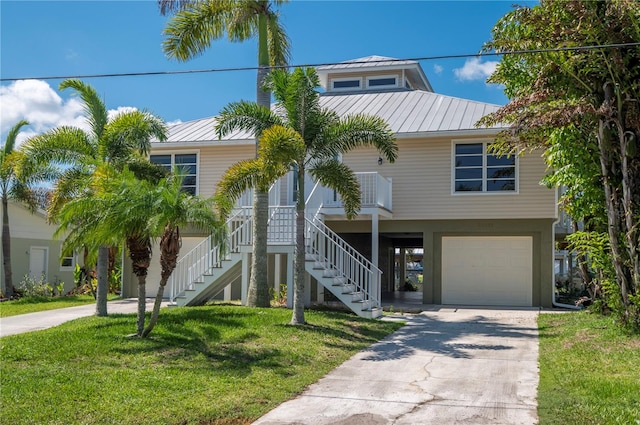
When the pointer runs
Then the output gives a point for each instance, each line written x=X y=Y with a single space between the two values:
x=124 y=207
x=590 y=95
x=77 y=153
x=17 y=189
x=190 y=31
x=302 y=136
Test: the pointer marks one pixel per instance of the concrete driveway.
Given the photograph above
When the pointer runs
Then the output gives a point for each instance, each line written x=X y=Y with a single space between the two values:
x=447 y=366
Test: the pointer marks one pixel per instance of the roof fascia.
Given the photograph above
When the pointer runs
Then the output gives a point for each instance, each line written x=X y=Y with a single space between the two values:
x=161 y=145
x=481 y=132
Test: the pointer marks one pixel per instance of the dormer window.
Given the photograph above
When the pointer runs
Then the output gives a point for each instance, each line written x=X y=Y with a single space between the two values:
x=382 y=82
x=338 y=84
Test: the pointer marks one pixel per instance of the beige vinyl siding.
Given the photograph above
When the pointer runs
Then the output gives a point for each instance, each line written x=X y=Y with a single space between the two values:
x=422 y=185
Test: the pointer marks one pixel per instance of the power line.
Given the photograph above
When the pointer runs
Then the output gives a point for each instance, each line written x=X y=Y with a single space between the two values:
x=253 y=68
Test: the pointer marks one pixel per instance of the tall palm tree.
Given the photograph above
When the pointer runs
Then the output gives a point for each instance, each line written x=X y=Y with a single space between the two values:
x=76 y=152
x=189 y=33
x=13 y=188
x=298 y=117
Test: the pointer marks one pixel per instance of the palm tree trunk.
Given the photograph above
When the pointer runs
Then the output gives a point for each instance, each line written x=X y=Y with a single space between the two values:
x=156 y=309
x=142 y=303
x=297 y=317
x=258 y=295
x=103 y=281
x=6 y=250
x=258 y=292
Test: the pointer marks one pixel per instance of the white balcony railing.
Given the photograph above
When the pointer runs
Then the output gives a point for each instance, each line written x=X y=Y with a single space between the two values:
x=375 y=192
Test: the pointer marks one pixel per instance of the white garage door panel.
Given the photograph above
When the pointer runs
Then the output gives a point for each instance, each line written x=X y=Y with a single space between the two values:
x=487 y=270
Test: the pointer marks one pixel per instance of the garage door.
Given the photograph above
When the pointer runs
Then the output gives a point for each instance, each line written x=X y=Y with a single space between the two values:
x=487 y=270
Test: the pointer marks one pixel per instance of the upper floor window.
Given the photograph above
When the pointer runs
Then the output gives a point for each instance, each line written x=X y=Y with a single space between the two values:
x=338 y=84
x=186 y=163
x=379 y=82
x=478 y=170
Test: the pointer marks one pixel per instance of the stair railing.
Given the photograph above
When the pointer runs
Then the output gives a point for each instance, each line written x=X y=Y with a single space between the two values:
x=336 y=254
x=210 y=252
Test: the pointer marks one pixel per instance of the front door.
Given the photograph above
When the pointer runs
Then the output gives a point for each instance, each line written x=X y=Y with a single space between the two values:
x=38 y=258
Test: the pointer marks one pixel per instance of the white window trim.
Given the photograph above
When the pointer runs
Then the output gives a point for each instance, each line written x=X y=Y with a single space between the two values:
x=74 y=261
x=173 y=153
x=379 y=77
x=484 y=192
x=359 y=79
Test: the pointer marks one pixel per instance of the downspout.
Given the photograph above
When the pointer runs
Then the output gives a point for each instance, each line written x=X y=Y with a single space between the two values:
x=553 y=259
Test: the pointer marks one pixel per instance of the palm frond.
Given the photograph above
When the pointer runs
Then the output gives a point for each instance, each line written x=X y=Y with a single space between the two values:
x=61 y=146
x=95 y=110
x=242 y=22
x=281 y=146
x=246 y=116
x=192 y=30
x=278 y=41
x=131 y=131
x=363 y=130
x=169 y=6
x=10 y=141
x=339 y=177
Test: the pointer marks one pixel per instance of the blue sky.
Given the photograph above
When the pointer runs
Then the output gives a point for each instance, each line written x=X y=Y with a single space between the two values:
x=58 y=38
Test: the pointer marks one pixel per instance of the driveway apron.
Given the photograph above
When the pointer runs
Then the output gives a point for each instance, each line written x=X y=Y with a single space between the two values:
x=446 y=366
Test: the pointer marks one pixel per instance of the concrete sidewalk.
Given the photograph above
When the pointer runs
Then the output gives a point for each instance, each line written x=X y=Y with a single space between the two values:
x=447 y=366
x=47 y=319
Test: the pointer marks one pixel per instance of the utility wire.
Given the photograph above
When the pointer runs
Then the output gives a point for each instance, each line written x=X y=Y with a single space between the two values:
x=252 y=68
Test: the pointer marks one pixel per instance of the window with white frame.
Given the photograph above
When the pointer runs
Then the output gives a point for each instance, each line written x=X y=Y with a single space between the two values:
x=475 y=169
x=68 y=263
x=338 y=84
x=185 y=163
x=382 y=82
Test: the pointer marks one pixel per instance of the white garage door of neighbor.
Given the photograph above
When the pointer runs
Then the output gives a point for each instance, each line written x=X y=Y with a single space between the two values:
x=486 y=270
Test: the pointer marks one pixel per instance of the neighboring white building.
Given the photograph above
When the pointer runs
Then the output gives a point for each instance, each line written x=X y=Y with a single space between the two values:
x=34 y=251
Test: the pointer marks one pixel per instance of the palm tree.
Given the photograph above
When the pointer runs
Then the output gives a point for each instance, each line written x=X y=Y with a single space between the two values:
x=76 y=152
x=13 y=188
x=173 y=209
x=189 y=33
x=299 y=117
x=124 y=207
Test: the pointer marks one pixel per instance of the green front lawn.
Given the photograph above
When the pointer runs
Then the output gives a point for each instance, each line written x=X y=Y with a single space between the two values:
x=589 y=371
x=202 y=365
x=35 y=304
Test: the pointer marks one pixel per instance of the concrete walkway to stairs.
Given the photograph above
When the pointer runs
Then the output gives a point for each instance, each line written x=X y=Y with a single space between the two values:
x=448 y=365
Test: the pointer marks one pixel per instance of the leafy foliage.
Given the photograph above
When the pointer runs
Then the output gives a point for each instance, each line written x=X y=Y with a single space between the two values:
x=583 y=108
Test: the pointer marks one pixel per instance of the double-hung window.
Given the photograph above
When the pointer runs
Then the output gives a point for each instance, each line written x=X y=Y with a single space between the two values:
x=476 y=169
x=185 y=163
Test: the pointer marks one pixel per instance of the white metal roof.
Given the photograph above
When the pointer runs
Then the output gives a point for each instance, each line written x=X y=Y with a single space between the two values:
x=366 y=62
x=410 y=113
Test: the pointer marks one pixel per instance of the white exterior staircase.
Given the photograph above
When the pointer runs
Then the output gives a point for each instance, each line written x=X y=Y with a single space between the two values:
x=208 y=268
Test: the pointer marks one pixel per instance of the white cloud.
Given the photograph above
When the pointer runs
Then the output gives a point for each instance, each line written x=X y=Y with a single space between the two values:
x=112 y=113
x=175 y=122
x=437 y=69
x=474 y=69
x=38 y=103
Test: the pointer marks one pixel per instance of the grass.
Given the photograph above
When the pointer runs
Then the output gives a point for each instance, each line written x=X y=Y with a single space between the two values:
x=201 y=365
x=589 y=371
x=35 y=304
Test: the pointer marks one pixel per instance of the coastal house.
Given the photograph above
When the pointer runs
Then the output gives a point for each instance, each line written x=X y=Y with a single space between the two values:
x=484 y=224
